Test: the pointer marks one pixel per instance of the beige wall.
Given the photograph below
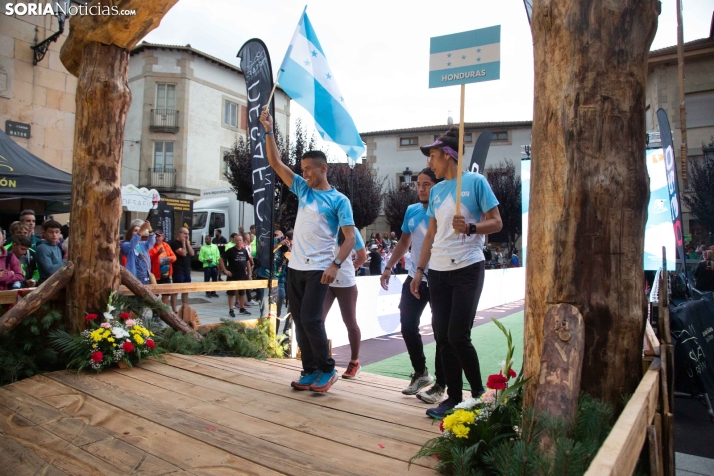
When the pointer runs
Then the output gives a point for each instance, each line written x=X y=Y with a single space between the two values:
x=42 y=95
x=663 y=92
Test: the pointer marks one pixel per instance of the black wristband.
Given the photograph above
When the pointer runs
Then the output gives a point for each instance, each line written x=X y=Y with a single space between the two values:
x=423 y=271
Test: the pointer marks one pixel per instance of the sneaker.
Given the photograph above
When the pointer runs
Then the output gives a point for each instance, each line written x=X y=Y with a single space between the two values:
x=251 y=303
x=418 y=382
x=352 y=370
x=305 y=380
x=208 y=294
x=438 y=413
x=232 y=313
x=324 y=382
x=243 y=311
x=434 y=395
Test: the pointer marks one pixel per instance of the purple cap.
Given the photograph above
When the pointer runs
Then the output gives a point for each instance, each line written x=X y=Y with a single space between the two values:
x=440 y=145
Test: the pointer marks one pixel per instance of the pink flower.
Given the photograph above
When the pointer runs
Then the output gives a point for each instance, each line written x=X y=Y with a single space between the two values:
x=97 y=357
x=130 y=322
x=127 y=346
x=489 y=397
x=150 y=344
x=105 y=325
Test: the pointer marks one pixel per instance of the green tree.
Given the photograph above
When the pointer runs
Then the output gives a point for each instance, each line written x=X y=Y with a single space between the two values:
x=366 y=191
x=701 y=181
x=396 y=201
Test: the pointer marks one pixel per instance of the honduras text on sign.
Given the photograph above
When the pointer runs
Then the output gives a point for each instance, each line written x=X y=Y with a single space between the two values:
x=466 y=57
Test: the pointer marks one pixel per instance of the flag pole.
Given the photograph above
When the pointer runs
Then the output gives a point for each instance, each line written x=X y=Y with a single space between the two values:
x=461 y=152
x=275 y=85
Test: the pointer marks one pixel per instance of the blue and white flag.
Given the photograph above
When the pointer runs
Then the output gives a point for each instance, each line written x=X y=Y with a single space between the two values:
x=466 y=57
x=306 y=77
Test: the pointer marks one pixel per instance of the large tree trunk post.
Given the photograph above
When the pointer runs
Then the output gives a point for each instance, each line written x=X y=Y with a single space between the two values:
x=97 y=52
x=103 y=99
x=589 y=185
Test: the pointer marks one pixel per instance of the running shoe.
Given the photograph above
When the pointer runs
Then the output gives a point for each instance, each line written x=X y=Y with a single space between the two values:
x=324 y=382
x=232 y=313
x=352 y=370
x=418 y=382
x=434 y=395
x=244 y=312
x=305 y=380
x=438 y=413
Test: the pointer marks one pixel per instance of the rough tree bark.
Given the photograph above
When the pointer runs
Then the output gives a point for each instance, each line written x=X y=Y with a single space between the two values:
x=589 y=184
x=103 y=100
x=97 y=52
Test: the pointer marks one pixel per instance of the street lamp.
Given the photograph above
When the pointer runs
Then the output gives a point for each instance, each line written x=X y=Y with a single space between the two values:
x=407 y=174
x=61 y=9
x=526 y=150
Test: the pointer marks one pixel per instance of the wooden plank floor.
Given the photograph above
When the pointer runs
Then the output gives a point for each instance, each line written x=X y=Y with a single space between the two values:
x=209 y=416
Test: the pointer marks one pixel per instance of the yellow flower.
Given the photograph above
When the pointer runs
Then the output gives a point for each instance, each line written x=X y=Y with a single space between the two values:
x=465 y=416
x=450 y=421
x=114 y=345
x=138 y=340
x=460 y=431
x=111 y=339
x=94 y=346
x=151 y=334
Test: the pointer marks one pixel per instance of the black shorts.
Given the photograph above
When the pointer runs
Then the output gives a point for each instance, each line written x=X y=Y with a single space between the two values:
x=164 y=281
x=241 y=292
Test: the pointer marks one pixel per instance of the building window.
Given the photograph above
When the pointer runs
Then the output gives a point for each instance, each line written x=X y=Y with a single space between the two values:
x=230 y=113
x=408 y=141
x=225 y=156
x=163 y=156
x=500 y=136
x=468 y=137
x=165 y=96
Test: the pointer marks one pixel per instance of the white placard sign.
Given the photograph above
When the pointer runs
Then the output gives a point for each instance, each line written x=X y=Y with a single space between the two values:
x=139 y=199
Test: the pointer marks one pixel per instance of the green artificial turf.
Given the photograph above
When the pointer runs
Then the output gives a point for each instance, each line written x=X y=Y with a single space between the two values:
x=490 y=344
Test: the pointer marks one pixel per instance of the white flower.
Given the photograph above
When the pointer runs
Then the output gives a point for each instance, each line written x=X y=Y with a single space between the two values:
x=119 y=332
x=503 y=367
x=108 y=316
x=111 y=308
x=468 y=404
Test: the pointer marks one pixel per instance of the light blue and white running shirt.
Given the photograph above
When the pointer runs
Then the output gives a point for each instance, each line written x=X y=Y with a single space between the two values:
x=416 y=223
x=321 y=213
x=450 y=250
x=345 y=277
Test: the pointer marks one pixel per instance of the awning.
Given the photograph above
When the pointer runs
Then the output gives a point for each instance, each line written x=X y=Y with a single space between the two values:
x=24 y=175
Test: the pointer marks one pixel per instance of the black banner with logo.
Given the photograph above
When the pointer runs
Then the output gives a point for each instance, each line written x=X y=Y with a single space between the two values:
x=675 y=206
x=478 y=157
x=258 y=72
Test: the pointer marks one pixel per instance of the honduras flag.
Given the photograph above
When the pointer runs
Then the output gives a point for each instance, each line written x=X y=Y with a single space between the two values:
x=306 y=77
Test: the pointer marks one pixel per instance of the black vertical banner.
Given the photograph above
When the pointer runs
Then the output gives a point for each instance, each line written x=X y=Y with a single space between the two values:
x=675 y=205
x=478 y=157
x=258 y=72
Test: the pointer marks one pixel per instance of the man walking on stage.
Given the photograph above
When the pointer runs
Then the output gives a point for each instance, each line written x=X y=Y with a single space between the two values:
x=322 y=212
x=414 y=227
x=453 y=248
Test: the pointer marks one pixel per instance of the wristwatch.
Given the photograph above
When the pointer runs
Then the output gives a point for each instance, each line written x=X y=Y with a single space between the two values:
x=472 y=229
x=337 y=262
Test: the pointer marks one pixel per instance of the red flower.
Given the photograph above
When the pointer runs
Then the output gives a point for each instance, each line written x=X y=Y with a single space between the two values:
x=90 y=317
x=150 y=343
x=127 y=346
x=97 y=357
x=441 y=426
x=511 y=373
x=437 y=456
x=124 y=315
x=496 y=382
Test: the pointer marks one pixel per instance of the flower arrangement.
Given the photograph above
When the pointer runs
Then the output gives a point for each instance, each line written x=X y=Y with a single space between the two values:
x=109 y=340
x=476 y=424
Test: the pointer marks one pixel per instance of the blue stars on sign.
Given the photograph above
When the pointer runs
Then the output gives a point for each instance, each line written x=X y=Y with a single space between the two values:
x=448 y=64
x=314 y=53
x=478 y=60
x=329 y=76
x=478 y=50
x=463 y=57
x=307 y=63
x=449 y=55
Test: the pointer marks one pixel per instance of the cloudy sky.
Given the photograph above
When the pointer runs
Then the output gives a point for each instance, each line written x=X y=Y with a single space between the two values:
x=378 y=50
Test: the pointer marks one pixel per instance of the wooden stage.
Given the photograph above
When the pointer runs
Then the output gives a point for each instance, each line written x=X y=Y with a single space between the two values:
x=209 y=416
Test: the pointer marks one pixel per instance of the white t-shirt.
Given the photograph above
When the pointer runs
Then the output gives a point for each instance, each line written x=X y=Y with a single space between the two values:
x=321 y=213
x=416 y=223
x=451 y=251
